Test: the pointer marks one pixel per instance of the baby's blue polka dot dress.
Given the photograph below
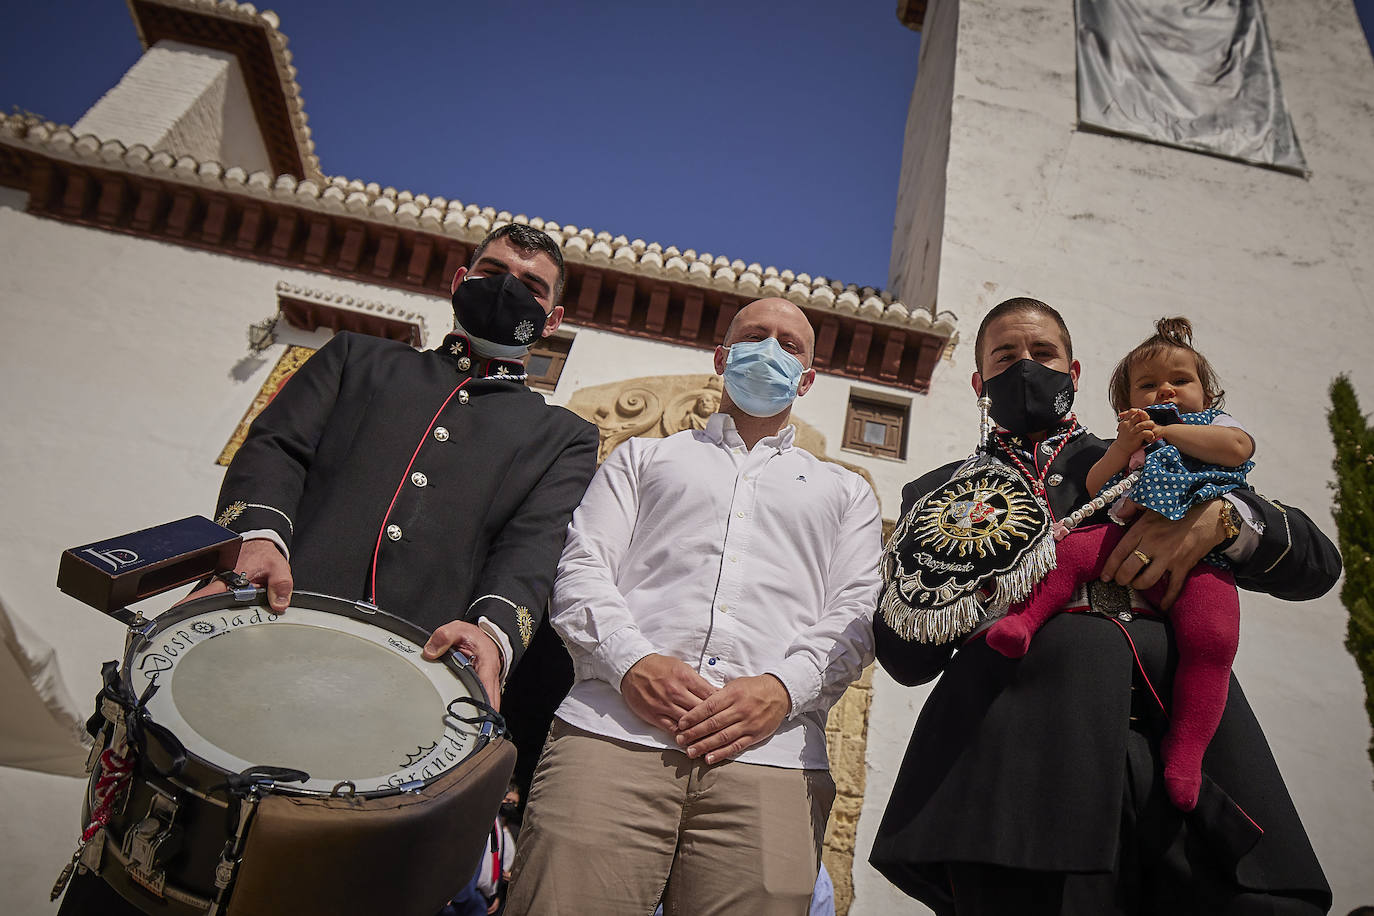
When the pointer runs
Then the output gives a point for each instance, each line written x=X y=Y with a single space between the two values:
x=1171 y=482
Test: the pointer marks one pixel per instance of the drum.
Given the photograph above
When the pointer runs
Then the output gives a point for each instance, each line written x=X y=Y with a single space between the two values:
x=311 y=762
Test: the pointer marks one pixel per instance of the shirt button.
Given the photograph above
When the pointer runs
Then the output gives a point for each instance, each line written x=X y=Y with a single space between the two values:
x=464 y=363
x=393 y=532
x=419 y=479
x=711 y=660
x=441 y=433
x=462 y=397
x=740 y=514
x=725 y=608
x=734 y=559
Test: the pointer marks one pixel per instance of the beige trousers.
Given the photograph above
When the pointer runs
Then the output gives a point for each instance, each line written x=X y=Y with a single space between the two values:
x=612 y=827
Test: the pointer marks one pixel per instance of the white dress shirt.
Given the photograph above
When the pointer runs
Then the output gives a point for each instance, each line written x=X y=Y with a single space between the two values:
x=737 y=561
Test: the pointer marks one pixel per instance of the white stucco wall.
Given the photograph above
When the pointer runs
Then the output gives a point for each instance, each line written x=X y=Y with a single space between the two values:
x=185 y=99
x=1275 y=273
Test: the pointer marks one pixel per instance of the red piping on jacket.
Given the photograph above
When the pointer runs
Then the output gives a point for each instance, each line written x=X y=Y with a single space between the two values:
x=376 y=551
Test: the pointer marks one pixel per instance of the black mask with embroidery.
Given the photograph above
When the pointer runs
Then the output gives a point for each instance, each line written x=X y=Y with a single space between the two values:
x=1028 y=397
x=498 y=309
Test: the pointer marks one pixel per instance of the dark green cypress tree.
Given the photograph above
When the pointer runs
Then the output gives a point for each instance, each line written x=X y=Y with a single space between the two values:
x=1354 y=514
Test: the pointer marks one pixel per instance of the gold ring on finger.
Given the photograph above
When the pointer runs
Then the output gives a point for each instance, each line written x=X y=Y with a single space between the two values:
x=1142 y=556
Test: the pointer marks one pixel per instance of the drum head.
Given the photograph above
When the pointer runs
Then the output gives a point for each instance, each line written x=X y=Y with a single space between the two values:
x=330 y=688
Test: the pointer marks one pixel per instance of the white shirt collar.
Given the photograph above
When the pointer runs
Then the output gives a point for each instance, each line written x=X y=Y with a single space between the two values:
x=720 y=428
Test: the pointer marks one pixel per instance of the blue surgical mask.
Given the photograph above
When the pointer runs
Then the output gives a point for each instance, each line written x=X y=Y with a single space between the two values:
x=761 y=377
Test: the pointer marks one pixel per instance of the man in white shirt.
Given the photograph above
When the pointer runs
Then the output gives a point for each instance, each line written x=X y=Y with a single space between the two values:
x=716 y=594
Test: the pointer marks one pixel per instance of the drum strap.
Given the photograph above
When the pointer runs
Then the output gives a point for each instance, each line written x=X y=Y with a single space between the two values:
x=485 y=714
x=139 y=726
x=260 y=777
x=109 y=678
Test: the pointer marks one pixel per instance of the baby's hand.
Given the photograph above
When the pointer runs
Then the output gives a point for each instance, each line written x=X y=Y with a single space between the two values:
x=1127 y=510
x=1135 y=429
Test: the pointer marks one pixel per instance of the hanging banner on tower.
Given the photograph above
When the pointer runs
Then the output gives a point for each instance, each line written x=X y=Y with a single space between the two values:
x=1196 y=74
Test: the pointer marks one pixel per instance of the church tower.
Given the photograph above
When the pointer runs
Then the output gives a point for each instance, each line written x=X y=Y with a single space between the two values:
x=1018 y=179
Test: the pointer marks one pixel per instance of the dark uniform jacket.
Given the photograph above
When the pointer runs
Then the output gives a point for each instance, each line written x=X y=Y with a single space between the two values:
x=431 y=484
x=1028 y=763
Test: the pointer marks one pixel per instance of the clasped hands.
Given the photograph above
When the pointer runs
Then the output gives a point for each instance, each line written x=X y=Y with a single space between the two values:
x=1136 y=429
x=717 y=723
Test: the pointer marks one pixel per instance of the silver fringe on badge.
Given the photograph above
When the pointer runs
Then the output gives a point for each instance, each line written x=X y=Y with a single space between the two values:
x=930 y=603
x=952 y=620
x=947 y=608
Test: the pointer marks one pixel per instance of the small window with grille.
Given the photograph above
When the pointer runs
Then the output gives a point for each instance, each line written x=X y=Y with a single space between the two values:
x=875 y=428
x=546 y=360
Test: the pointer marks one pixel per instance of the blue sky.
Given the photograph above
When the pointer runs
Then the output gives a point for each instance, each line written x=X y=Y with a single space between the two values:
x=769 y=132
x=765 y=131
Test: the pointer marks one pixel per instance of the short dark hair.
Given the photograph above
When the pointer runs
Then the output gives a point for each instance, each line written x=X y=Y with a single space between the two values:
x=1017 y=306
x=1170 y=334
x=527 y=239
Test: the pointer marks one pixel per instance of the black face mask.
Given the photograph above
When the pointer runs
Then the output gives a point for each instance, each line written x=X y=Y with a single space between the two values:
x=509 y=810
x=498 y=310
x=1028 y=397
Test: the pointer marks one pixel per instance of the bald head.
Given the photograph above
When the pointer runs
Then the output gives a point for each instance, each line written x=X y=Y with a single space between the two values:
x=774 y=318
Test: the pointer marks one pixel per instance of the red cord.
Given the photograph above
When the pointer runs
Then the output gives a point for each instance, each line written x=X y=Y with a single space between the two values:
x=1140 y=666
x=1038 y=480
x=114 y=772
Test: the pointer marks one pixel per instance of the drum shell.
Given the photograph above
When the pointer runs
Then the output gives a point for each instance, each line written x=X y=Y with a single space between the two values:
x=307 y=852
x=320 y=856
x=204 y=826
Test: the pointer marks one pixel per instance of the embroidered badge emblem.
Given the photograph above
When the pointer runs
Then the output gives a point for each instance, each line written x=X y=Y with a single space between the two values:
x=525 y=622
x=503 y=370
x=978 y=517
x=524 y=331
x=966 y=551
x=230 y=513
x=457 y=348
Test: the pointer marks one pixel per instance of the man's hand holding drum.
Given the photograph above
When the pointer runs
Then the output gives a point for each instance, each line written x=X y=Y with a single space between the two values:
x=264 y=566
x=474 y=644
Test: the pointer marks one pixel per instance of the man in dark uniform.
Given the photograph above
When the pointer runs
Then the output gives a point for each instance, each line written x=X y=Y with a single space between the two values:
x=433 y=484
x=1035 y=785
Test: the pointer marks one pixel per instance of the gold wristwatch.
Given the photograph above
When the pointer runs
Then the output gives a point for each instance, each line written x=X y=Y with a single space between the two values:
x=1230 y=523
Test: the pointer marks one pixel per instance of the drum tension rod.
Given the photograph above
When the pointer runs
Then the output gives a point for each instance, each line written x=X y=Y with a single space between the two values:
x=238 y=583
x=232 y=855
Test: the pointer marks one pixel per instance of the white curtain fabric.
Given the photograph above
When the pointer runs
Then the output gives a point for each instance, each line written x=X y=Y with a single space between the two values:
x=41 y=728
